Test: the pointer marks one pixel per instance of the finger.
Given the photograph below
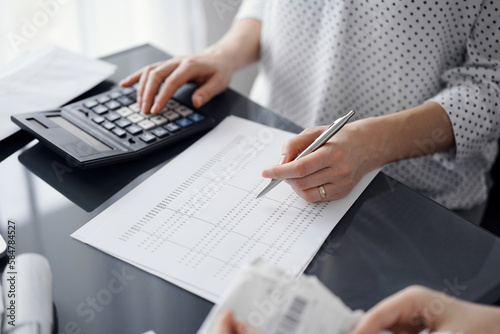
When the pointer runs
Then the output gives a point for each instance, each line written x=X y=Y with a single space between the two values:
x=134 y=77
x=331 y=192
x=208 y=90
x=153 y=83
x=300 y=168
x=142 y=82
x=402 y=309
x=224 y=323
x=179 y=76
x=313 y=180
x=241 y=327
x=131 y=79
x=185 y=72
x=294 y=146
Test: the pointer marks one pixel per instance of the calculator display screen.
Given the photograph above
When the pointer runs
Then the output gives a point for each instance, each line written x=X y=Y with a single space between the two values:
x=84 y=136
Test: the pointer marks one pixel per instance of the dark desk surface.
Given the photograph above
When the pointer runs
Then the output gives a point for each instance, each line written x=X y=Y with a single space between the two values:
x=391 y=238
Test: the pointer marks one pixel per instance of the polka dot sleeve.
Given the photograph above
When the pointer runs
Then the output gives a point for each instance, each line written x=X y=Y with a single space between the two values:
x=472 y=94
x=251 y=9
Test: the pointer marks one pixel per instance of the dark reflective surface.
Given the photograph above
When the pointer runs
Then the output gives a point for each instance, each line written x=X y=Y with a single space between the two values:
x=391 y=238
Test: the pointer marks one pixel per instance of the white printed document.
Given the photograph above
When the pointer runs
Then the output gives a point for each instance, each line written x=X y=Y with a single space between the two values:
x=45 y=80
x=196 y=221
x=270 y=301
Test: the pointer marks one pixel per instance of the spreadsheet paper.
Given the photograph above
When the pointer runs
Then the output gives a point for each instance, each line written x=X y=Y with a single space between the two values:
x=196 y=221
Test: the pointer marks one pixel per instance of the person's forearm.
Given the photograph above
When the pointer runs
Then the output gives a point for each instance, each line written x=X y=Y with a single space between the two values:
x=241 y=44
x=418 y=131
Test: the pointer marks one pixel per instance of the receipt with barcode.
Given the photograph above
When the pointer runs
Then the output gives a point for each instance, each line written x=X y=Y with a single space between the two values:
x=273 y=303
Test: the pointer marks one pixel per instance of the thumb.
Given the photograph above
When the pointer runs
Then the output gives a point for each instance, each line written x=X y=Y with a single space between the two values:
x=294 y=146
x=224 y=323
x=209 y=89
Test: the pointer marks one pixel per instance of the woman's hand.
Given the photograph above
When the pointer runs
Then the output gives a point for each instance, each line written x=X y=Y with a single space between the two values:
x=415 y=308
x=210 y=70
x=227 y=324
x=336 y=166
x=332 y=171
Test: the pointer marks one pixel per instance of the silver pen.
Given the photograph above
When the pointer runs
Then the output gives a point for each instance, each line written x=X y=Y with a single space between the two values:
x=318 y=142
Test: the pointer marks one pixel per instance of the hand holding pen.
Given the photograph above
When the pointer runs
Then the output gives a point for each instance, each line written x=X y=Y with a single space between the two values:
x=334 y=167
x=317 y=143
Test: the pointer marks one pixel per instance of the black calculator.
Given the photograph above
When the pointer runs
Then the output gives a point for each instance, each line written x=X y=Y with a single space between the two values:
x=109 y=128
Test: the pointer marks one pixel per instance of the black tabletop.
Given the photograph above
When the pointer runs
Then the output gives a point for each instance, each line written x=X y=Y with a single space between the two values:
x=391 y=237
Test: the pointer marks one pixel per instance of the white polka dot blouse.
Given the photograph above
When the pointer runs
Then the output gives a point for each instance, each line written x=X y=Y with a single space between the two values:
x=321 y=58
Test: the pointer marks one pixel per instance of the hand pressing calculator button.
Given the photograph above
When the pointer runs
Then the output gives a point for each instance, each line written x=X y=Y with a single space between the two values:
x=109 y=128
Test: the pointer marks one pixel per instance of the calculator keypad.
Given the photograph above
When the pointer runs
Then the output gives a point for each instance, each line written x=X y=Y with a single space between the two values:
x=118 y=112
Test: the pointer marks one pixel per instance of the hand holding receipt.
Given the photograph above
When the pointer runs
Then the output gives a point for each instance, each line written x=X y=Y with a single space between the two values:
x=320 y=141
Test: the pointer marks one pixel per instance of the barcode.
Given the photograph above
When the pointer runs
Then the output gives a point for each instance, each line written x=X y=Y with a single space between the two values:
x=290 y=321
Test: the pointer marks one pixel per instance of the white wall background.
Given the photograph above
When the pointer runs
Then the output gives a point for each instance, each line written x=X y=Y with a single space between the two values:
x=100 y=27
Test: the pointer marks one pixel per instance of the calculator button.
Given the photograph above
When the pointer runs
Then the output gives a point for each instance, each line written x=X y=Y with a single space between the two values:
x=146 y=124
x=124 y=112
x=171 y=116
x=133 y=97
x=196 y=117
x=90 y=104
x=98 y=119
x=183 y=111
x=127 y=90
x=184 y=122
x=135 y=118
x=147 y=137
x=135 y=107
x=113 y=105
x=172 y=127
x=160 y=132
x=112 y=116
x=134 y=129
x=108 y=125
x=124 y=100
x=147 y=115
x=100 y=109
x=172 y=104
x=158 y=120
x=103 y=99
x=115 y=95
x=123 y=123
x=119 y=132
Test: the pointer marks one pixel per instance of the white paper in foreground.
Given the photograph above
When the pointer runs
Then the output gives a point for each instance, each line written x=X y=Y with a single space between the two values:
x=45 y=80
x=27 y=291
x=196 y=221
x=272 y=302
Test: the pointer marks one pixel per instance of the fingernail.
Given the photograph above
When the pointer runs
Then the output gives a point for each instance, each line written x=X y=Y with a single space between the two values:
x=282 y=160
x=153 y=108
x=199 y=100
